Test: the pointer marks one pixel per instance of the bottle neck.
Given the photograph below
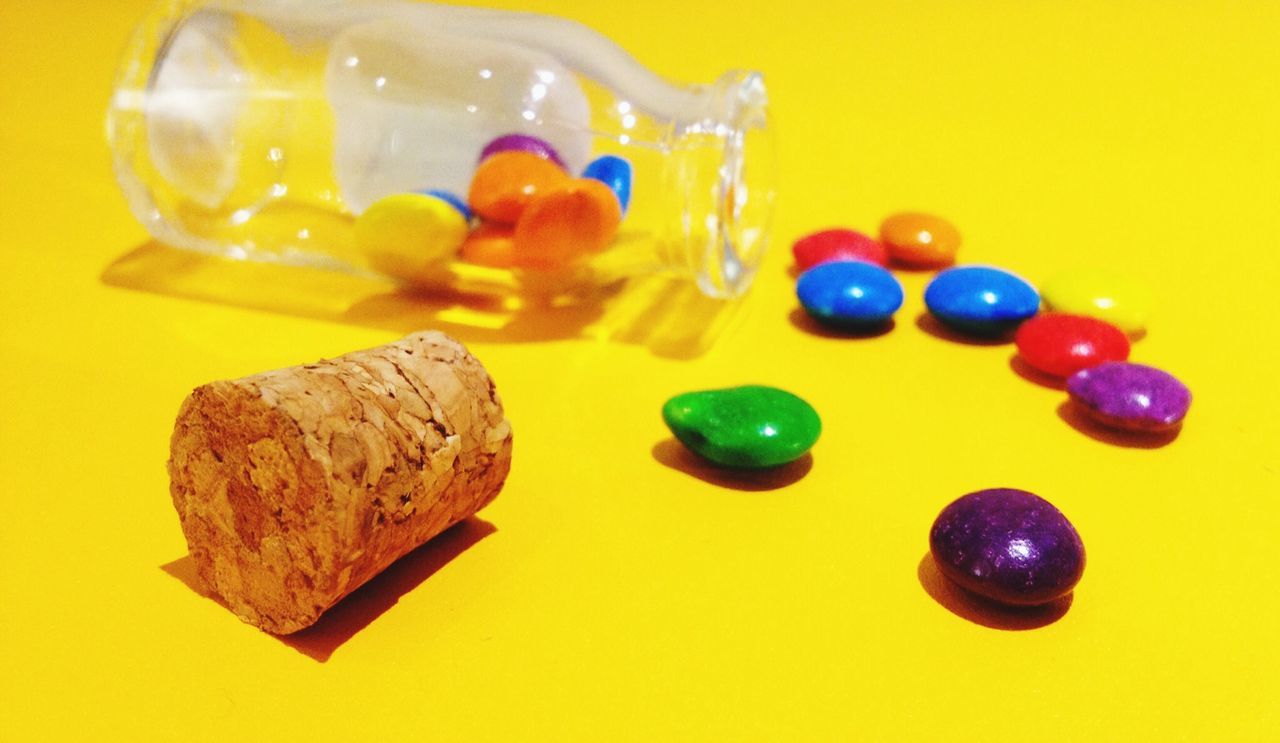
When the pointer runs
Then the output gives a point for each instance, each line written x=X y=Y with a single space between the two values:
x=719 y=178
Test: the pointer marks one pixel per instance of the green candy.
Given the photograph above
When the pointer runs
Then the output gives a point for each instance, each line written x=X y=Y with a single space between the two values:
x=748 y=427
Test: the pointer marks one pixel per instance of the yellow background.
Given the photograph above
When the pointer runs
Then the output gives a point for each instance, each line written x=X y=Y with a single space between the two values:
x=627 y=594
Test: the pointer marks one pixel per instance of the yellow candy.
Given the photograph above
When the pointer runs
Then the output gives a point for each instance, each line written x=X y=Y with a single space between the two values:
x=1108 y=296
x=407 y=235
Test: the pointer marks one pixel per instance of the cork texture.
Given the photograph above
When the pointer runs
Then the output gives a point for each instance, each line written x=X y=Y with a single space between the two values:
x=294 y=487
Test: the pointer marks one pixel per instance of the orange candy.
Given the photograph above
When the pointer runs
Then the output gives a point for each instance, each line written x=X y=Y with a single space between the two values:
x=506 y=182
x=920 y=240
x=489 y=245
x=565 y=223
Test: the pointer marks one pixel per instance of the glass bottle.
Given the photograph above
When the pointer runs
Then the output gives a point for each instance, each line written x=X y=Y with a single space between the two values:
x=259 y=130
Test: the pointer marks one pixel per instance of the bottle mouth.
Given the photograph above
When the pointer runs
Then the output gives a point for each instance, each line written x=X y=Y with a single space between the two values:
x=722 y=174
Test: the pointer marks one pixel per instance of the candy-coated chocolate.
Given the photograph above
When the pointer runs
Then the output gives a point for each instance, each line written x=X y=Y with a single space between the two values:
x=565 y=224
x=454 y=200
x=1061 y=345
x=490 y=245
x=981 y=300
x=506 y=182
x=920 y=240
x=404 y=235
x=849 y=294
x=1101 y=293
x=838 y=245
x=615 y=173
x=1008 y=545
x=522 y=143
x=747 y=427
x=1131 y=397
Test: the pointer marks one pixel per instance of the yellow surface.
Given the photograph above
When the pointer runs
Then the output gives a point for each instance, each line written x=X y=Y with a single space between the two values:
x=620 y=598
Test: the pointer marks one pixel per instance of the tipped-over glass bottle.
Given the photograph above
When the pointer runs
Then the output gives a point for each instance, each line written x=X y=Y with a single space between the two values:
x=261 y=129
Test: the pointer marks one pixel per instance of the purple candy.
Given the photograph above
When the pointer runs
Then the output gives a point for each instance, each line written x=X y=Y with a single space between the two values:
x=1008 y=545
x=523 y=143
x=1129 y=396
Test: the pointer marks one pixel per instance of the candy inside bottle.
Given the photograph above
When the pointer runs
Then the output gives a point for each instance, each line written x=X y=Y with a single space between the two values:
x=262 y=129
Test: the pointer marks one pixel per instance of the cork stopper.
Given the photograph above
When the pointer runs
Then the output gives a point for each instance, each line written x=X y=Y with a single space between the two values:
x=294 y=487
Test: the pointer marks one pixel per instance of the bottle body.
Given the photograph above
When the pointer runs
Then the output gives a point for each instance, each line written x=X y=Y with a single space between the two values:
x=262 y=129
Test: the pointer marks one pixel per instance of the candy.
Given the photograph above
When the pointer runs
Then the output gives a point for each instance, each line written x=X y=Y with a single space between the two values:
x=506 y=182
x=1131 y=397
x=566 y=223
x=404 y=235
x=920 y=240
x=1103 y=294
x=1008 y=545
x=849 y=294
x=615 y=173
x=522 y=143
x=837 y=245
x=454 y=200
x=1061 y=345
x=981 y=300
x=747 y=427
x=490 y=245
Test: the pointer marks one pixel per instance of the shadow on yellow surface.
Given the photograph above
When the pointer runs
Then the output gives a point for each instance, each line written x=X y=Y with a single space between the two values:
x=1034 y=375
x=1075 y=416
x=801 y=321
x=934 y=327
x=670 y=318
x=671 y=453
x=981 y=611
x=370 y=601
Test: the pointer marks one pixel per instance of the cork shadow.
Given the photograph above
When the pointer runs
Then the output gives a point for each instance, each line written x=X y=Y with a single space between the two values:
x=1034 y=375
x=364 y=605
x=1073 y=415
x=931 y=325
x=981 y=611
x=803 y=322
x=672 y=454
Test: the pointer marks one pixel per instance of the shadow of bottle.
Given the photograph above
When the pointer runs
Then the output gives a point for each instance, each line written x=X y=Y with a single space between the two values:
x=359 y=609
x=670 y=318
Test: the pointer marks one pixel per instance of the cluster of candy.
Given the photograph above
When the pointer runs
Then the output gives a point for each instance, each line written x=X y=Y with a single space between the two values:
x=1006 y=545
x=1085 y=337
x=523 y=210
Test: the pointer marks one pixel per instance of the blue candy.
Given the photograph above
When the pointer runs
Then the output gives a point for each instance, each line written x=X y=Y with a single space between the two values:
x=981 y=300
x=849 y=294
x=453 y=200
x=615 y=173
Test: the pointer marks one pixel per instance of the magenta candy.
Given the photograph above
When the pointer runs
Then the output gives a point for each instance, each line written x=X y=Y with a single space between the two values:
x=523 y=143
x=1131 y=397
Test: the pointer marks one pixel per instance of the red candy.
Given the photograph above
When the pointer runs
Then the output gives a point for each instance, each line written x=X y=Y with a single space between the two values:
x=1061 y=345
x=838 y=245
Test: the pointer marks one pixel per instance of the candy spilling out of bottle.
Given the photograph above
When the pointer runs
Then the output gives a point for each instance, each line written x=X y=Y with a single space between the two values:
x=1085 y=337
x=1005 y=545
x=523 y=210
